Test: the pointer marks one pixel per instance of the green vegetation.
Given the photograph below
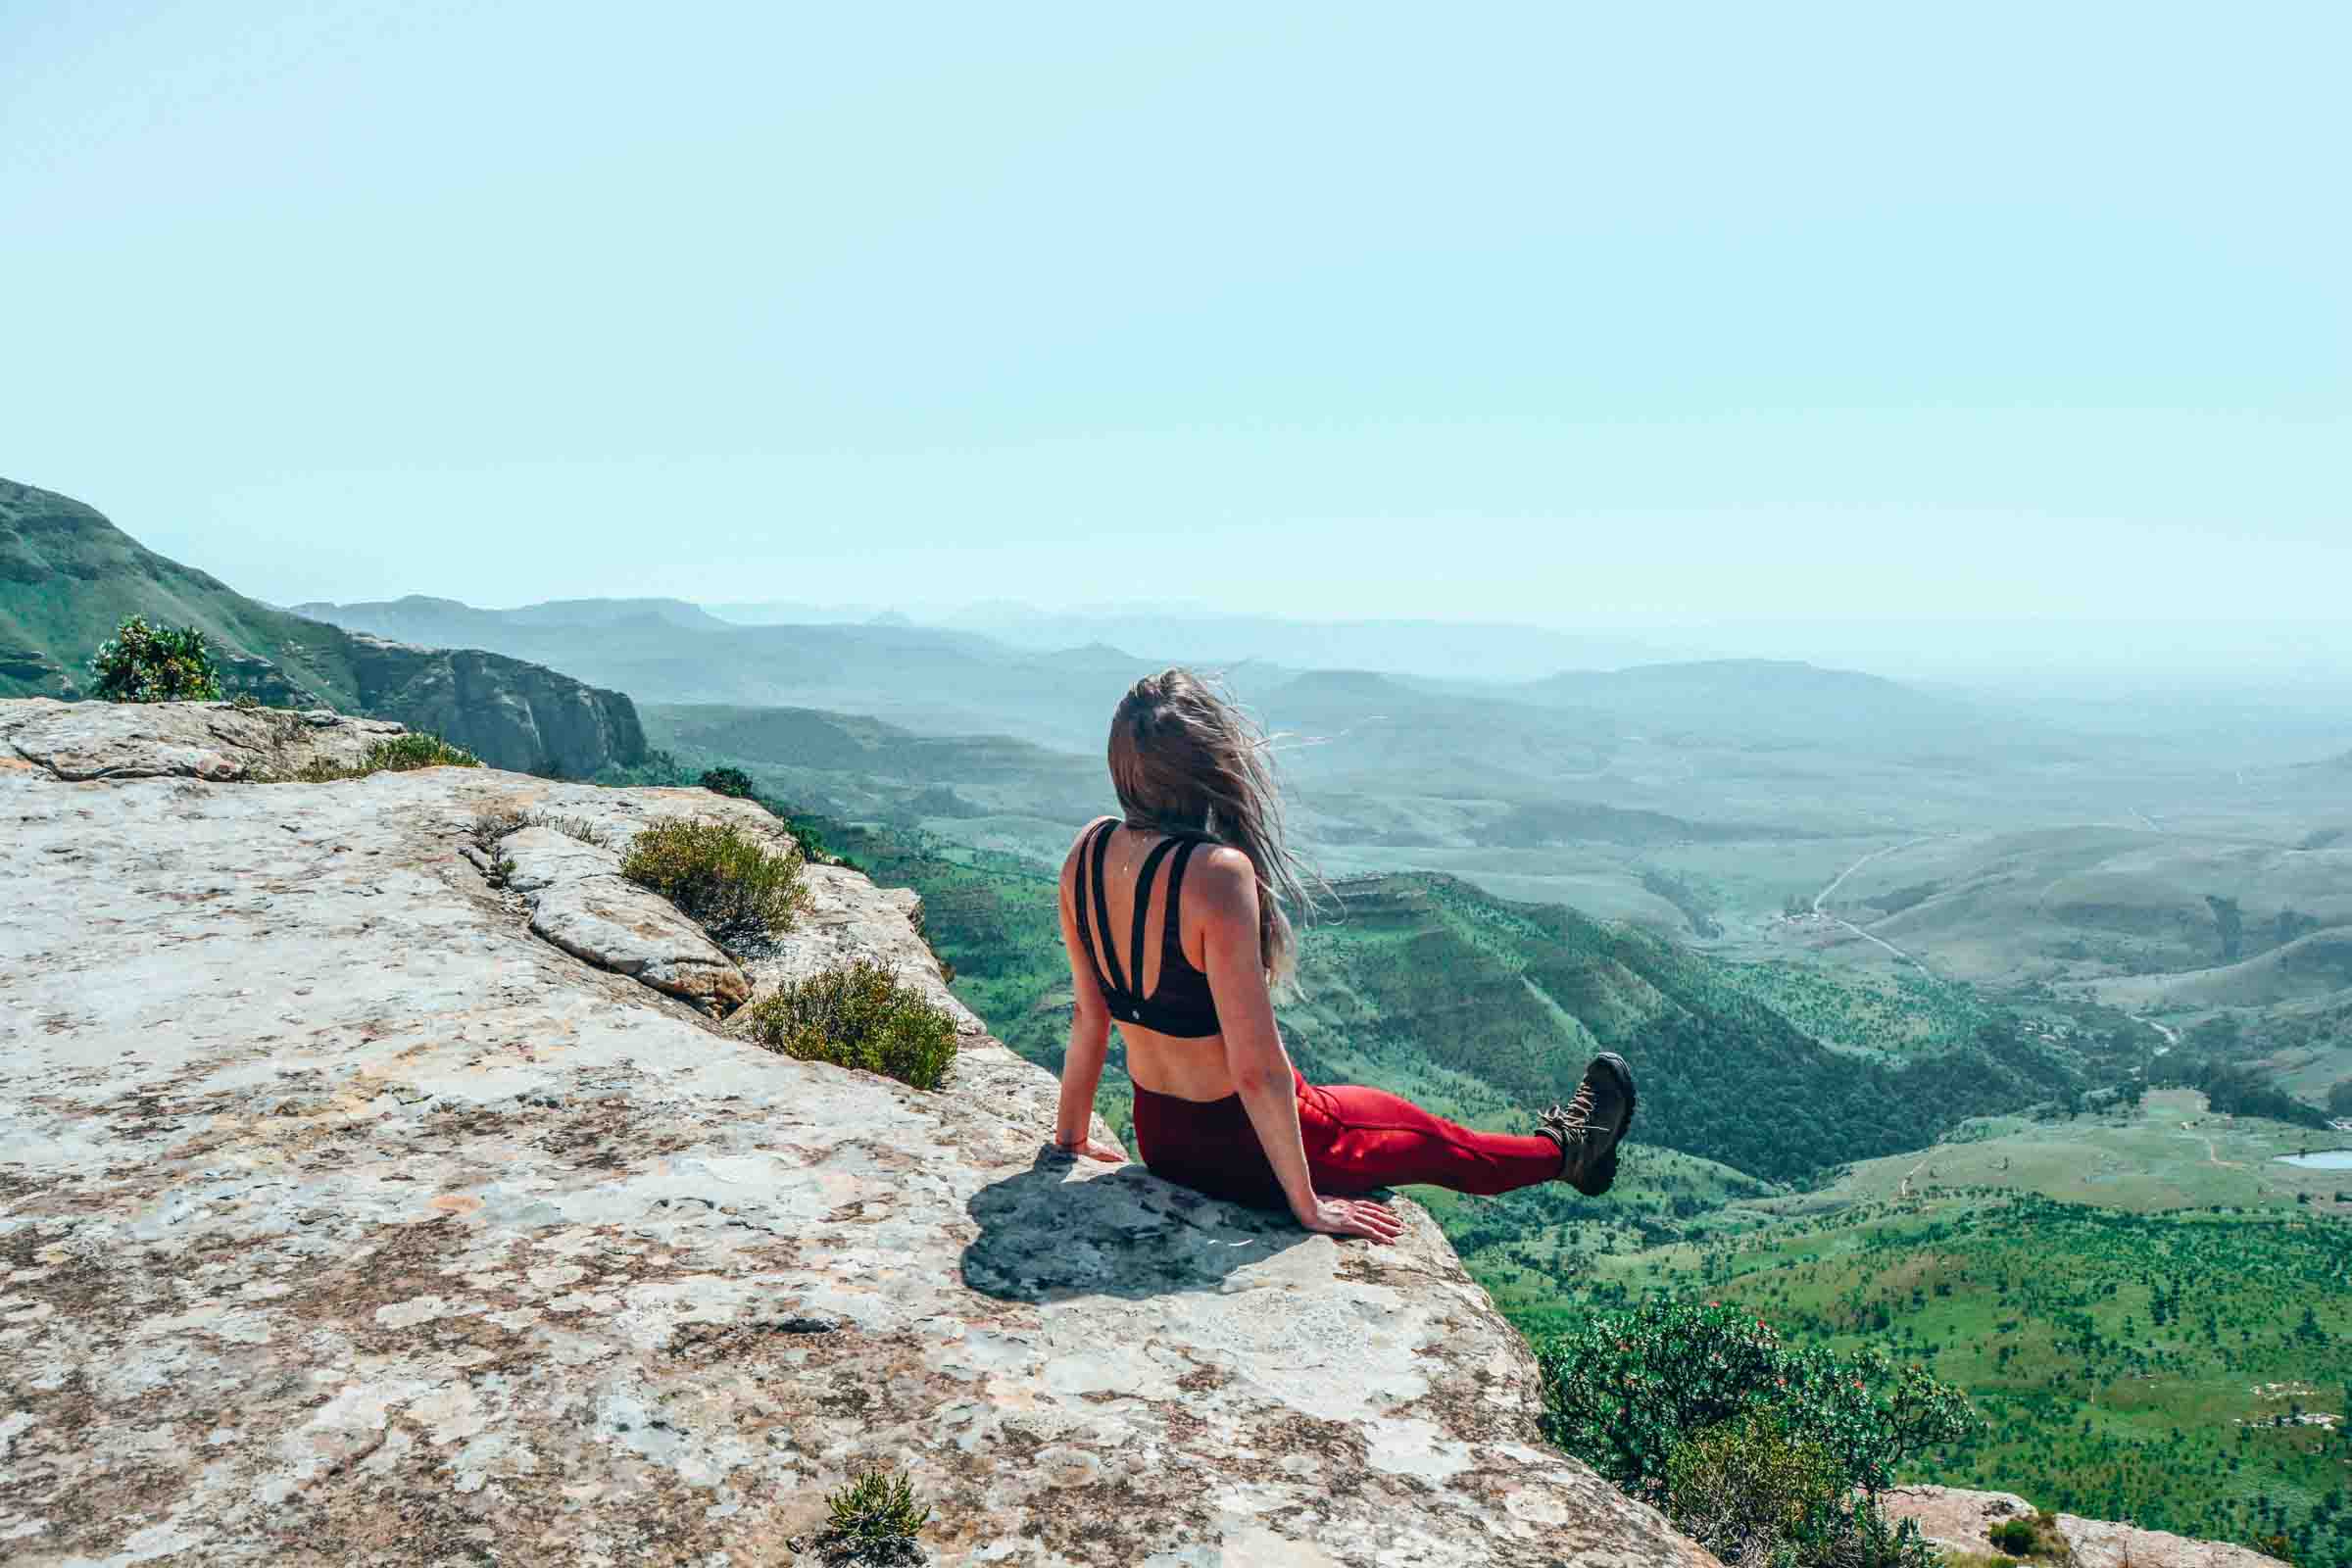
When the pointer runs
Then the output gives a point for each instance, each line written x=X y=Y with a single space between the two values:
x=402 y=754
x=2170 y=1367
x=738 y=887
x=859 y=1015
x=732 y=783
x=144 y=664
x=1890 y=1014
x=1755 y=1449
x=875 y=1519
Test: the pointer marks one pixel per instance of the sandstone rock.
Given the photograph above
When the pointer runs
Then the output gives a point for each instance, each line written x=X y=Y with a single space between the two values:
x=1954 y=1518
x=509 y=712
x=2097 y=1545
x=186 y=740
x=580 y=903
x=1960 y=1520
x=344 y=1220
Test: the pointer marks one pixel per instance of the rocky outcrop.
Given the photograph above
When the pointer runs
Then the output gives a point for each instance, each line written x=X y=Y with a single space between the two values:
x=1959 y=1520
x=508 y=712
x=343 y=1219
x=580 y=903
x=80 y=741
x=68 y=578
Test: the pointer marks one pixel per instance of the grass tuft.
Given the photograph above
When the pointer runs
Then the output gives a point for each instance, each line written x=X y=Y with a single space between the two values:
x=735 y=884
x=859 y=1015
x=875 y=1519
x=572 y=827
x=402 y=754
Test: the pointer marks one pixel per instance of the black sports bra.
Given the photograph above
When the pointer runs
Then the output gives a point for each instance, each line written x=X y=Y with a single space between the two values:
x=1181 y=1004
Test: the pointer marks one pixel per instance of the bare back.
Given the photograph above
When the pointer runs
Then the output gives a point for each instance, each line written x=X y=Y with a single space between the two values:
x=1099 y=937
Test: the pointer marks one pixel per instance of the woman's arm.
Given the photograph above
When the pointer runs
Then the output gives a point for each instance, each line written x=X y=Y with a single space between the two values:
x=1225 y=892
x=1090 y=1046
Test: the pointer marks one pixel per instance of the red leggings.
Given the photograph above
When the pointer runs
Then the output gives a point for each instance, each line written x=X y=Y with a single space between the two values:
x=1357 y=1139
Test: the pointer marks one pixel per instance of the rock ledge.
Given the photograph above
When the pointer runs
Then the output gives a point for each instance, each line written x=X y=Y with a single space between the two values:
x=343 y=1219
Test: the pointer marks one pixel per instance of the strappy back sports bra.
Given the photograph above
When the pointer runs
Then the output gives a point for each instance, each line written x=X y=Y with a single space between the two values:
x=1181 y=1004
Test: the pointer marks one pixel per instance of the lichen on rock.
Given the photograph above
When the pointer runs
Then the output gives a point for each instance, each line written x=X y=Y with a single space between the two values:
x=345 y=1219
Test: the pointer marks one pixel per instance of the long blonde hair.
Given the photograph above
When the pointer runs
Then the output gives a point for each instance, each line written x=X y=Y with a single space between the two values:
x=1186 y=758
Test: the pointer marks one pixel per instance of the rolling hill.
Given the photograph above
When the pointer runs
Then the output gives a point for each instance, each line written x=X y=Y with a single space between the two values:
x=1766 y=703
x=68 y=578
x=2096 y=902
x=2310 y=967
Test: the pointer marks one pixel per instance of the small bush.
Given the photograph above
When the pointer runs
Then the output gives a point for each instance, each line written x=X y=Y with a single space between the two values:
x=144 y=664
x=402 y=754
x=1746 y=1486
x=732 y=783
x=737 y=886
x=1751 y=1493
x=875 y=1519
x=859 y=1015
x=2015 y=1536
x=495 y=824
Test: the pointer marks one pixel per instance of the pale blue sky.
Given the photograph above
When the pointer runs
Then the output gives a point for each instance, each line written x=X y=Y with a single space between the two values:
x=1546 y=313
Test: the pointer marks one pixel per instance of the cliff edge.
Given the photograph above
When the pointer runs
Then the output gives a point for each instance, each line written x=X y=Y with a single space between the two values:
x=343 y=1218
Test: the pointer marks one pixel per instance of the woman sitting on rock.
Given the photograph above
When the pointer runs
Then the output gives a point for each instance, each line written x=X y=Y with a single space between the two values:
x=1175 y=924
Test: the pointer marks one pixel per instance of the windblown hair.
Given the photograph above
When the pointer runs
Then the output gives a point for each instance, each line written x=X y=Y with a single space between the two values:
x=1184 y=757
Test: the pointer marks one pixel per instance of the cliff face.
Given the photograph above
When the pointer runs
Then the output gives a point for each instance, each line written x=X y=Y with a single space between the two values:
x=508 y=714
x=345 y=1219
x=68 y=578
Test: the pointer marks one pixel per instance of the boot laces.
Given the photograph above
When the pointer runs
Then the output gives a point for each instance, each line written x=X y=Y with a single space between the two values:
x=1571 y=1123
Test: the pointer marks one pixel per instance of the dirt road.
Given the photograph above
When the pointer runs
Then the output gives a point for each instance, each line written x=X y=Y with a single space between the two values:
x=1823 y=897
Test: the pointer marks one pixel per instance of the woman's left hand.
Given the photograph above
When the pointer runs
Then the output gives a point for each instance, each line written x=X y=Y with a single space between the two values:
x=1102 y=1148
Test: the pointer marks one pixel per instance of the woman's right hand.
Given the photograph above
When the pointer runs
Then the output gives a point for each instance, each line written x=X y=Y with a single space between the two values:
x=1353 y=1216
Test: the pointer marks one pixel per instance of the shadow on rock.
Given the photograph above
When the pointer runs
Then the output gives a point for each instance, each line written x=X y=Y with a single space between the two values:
x=1054 y=1232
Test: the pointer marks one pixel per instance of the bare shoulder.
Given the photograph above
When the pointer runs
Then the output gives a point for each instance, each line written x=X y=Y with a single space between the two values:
x=1222 y=878
x=1069 y=860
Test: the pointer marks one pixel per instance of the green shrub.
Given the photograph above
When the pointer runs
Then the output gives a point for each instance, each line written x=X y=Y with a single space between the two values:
x=2015 y=1536
x=144 y=664
x=874 y=1519
x=402 y=754
x=1751 y=1493
x=736 y=885
x=732 y=783
x=1669 y=1396
x=1746 y=1488
x=859 y=1015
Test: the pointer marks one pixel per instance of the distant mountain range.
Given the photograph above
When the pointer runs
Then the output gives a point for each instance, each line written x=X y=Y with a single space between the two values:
x=1360 y=713
x=447 y=623
x=68 y=578
x=1464 y=650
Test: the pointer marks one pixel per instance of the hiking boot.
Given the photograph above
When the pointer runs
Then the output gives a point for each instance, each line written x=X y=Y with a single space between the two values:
x=1589 y=1127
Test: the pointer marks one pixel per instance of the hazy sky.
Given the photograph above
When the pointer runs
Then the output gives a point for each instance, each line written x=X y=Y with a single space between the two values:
x=1543 y=313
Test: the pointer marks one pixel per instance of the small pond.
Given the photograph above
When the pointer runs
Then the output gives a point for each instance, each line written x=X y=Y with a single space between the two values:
x=2325 y=1159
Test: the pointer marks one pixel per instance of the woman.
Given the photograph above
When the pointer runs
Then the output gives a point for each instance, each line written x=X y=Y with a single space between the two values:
x=1184 y=962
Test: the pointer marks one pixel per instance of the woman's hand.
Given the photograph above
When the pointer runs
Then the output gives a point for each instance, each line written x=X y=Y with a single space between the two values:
x=1353 y=1217
x=1102 y=1149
